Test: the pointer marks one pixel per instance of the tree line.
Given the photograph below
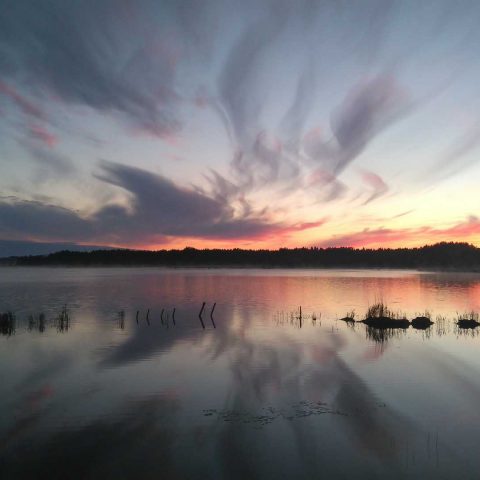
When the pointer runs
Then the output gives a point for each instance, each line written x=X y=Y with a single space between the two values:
x=444 y=255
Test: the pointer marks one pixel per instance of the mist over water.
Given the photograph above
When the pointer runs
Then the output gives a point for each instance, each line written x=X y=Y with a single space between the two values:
x=112 y=383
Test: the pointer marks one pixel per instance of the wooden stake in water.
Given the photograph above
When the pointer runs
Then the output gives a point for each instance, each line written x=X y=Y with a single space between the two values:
x=200 y=315
x=211 y=315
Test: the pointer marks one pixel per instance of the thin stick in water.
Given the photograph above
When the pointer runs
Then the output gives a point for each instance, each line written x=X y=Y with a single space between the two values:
x=211 y=315
x=200 y=315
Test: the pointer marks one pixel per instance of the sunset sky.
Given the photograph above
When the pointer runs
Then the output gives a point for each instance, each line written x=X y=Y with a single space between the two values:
x=252 y=124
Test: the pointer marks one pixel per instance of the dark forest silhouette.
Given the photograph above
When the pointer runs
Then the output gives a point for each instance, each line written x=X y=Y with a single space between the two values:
x=445 y=255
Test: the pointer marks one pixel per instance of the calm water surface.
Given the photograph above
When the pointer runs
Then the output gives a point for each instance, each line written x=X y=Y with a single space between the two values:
x=257 y=393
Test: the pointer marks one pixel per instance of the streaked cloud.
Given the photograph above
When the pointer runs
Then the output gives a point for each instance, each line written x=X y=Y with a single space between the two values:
x=468 y=230
x=369 y=107
x=376 y=184
x=76 y=52
x=158 y=209
x=273 y=108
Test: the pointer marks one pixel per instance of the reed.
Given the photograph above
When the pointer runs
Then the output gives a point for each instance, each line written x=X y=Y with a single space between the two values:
x=442 y=326
x=379 y=310
x=36 y=322
x=62 y=322
x=7 y=323
x=349 y=317
x=382 y=335
x=121 y=319
x=41 y=322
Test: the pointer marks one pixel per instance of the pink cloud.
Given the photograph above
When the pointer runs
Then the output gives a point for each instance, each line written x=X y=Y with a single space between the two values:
x=320 y=176
x=300 y=227
x=331 y=187
x=280 y=231
x=27 y=107
x=376 y=183
x=43 y=135
x=379 y=237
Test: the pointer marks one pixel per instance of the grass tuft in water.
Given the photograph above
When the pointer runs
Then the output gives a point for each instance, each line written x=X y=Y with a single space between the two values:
x=63 y=320
x=7 y=324
x=380 y=316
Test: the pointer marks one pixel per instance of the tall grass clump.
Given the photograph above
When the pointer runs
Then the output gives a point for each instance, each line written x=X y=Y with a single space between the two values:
x=37 y=322
x=63 y=320
x=380 y=316
x=379 y=310
x=7 y=324
x=349 y=317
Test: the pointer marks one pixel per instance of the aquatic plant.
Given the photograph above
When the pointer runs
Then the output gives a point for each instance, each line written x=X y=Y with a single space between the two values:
x=121 y=319
x=296 y=318
x=379 y=310
x=442 y=326
x=380 y=316
x=62 y=322
x=381 y=335
x=41 y=322
x=36 y=322
x=7 y=324
x=349 y=317
x=316 y=317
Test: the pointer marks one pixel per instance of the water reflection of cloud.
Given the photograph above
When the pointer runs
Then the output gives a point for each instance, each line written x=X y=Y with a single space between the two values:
x=282 y=372
x=138 y=443
x=143 y=343
x=246 y=364
x=279 y=371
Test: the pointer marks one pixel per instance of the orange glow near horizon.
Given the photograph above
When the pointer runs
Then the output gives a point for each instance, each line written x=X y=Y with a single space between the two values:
x=321 y=234
x=372 y=239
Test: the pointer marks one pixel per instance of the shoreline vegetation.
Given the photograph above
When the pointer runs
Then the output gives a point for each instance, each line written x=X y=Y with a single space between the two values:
x=440 y=256
x=378 y=317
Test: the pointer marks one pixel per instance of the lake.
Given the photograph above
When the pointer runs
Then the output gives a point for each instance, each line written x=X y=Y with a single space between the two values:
x=101 y=378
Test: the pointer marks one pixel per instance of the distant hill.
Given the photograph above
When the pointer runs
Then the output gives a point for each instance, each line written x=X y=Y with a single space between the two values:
x=448 y=256
x=10 y=248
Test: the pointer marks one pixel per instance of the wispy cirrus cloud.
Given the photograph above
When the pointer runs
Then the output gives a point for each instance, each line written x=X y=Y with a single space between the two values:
x=458 y=156
x=28 y=107
x=369 y=108
x=39 y=132
x=51 y=164
x=295 y=159
x=376 y=184
x=468 y=230
x=302 y=91
x=35 y=136
x=76 y=52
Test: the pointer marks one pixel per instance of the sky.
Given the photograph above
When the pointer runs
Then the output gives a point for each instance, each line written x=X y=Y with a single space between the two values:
x=252 y=124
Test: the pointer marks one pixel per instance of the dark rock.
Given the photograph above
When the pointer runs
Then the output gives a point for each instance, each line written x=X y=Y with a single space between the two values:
x=386 y=322
x=467 y=323
x=347 y=319
x=421 y=323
